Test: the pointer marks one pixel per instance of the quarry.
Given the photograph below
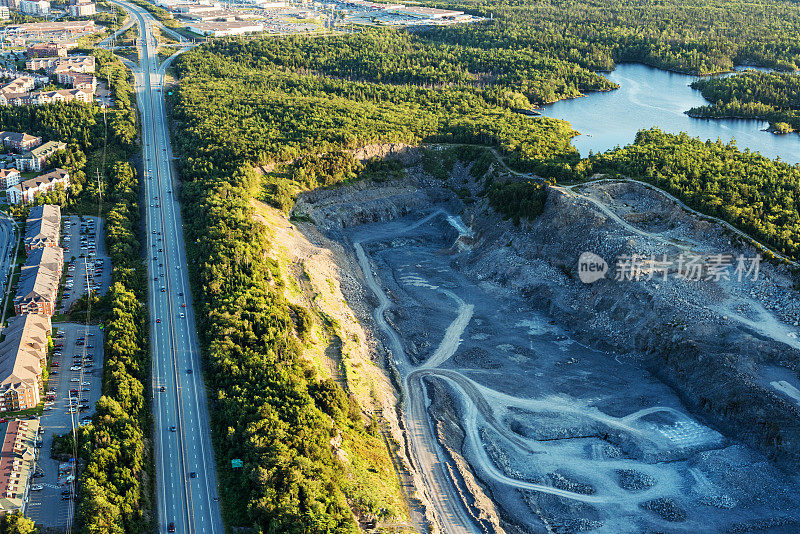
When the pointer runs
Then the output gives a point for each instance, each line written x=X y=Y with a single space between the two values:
x=529 y=401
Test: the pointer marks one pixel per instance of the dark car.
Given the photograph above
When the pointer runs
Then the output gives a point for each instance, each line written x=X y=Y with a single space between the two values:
x=172 y=429
x=162 y=389
x=171 y=527
x=188 y=371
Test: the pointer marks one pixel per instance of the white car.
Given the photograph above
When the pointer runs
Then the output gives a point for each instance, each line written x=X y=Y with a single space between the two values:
x=75 y=368
x=75 y=379
x=72 y=410
x=37 y=487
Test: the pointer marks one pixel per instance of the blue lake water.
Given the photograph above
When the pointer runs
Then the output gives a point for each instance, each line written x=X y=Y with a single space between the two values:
x=649 y=97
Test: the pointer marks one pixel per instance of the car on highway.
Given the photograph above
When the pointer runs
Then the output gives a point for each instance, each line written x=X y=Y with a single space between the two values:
x=182 y=315
x=172 y=429
x=188 y=371
x=158 y=320
x=162 y=389
x=171 y=527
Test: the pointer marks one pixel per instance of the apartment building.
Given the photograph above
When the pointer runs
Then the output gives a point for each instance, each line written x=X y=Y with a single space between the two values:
x=46 y=50
x=36 y=159
x=26 y=191
x=17 y=457
x=82 y=9
x=27 y=334
x=38 y=284
x=55 y=64
x=20 y=142
x=9 y=177
x=22 y=84
x=37 y=8
x=43 y=227
x=5 y=13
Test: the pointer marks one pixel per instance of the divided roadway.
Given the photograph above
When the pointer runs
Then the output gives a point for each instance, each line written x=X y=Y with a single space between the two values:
x=185 y=468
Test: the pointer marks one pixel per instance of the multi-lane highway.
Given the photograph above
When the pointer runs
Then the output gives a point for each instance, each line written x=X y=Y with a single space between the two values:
x=185 y=470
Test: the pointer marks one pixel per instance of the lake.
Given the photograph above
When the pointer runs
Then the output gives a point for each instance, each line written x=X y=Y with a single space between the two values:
x=650 y=97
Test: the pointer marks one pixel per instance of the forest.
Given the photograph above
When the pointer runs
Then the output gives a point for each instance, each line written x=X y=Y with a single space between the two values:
x=769 y=96
x=691 y=36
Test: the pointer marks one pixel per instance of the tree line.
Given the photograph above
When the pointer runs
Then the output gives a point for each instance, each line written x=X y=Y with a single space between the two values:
x=769 y=96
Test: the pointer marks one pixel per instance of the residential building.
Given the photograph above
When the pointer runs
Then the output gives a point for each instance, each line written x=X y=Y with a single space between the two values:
x=29 y=334
x=51 y=97
x=17 y=460
x=20 y=142
x=5 y=13
x=43 y=227
x=38 y=287
x=11 y=4
x=38 y=8
x=55 y=64
x=46 y=50
x=27 y=190
x=82 y=9
x=18 y=85
x=9 y=177
x=36 y=159
x=14 y=99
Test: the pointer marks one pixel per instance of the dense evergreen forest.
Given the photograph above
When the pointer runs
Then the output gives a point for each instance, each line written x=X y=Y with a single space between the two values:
x=692 y=36
x=774 y=97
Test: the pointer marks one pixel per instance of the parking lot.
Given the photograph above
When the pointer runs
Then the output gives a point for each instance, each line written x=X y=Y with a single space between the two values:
x=84 y=248
x=76 y=346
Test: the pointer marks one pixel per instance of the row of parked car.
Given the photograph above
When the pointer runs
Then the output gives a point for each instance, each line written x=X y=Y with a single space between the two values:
x=82 y=359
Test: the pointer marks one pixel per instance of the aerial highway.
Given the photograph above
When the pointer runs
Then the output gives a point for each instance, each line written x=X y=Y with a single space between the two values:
x=185 y=470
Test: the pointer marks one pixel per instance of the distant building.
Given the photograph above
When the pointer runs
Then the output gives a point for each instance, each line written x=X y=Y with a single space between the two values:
x=36 y=159
x=38 y=8
x=82 y=9
x=421 y=12
x=27 y=190
x=43 y=227
x=5 y=13
x=221 y=29
x=17 y=457
x=46 y=50
x=9 y=177
x=54 y=31
x=21 y=142
x=12 y=5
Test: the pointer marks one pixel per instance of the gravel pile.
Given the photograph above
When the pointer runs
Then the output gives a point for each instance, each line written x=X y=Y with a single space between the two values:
x=667 y=508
